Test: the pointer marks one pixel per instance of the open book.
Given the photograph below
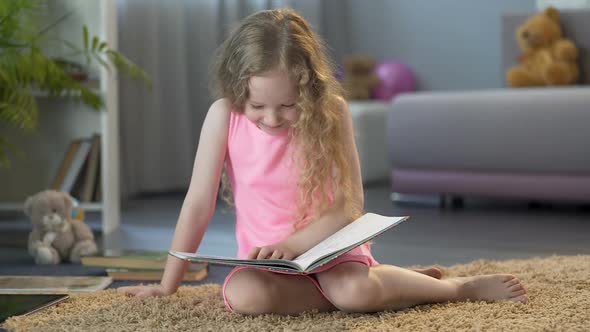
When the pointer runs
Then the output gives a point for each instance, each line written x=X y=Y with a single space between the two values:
x=349 y=237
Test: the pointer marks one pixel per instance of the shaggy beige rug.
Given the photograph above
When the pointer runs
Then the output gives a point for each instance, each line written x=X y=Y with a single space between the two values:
x=559 y=291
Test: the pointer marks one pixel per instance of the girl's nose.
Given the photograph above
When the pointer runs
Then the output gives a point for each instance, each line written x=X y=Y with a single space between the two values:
x=272 y=119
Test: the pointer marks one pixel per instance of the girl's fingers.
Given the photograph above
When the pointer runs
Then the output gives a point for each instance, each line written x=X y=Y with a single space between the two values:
x=135 y=290
x=122 y=290
x=130 y=290
x=253 y=253
x=264 y=253
x=276 y=255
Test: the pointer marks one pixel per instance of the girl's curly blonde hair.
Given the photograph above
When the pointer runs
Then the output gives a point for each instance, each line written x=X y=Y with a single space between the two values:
x=282 y=39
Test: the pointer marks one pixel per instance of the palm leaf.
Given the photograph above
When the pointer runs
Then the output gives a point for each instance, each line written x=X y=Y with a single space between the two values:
x=24 y=65
x=6 y=146
x=4 y=160
x=10 y=44
x=127 y=67
x=18 y=108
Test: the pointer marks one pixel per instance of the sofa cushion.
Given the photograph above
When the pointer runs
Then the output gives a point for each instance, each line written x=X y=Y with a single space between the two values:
x=543 y=131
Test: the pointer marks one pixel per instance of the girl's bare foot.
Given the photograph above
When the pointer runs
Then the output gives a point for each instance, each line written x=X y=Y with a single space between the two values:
x=491 y=287
x=434 y=272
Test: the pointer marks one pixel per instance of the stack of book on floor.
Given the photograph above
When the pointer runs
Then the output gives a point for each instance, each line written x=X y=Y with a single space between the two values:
x=142 y=265
x=79 y=172
x=52 y=284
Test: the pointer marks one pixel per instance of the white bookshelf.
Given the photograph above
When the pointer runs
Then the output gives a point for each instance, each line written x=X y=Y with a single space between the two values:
x=111 y=195
x=89 y=207
x=108 y=128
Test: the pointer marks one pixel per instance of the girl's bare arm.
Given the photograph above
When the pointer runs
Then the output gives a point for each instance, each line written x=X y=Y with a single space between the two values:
x=199 y=204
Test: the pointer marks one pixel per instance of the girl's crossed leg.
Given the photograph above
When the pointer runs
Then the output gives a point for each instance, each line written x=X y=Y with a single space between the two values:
x=355 y=287
x=254 y=291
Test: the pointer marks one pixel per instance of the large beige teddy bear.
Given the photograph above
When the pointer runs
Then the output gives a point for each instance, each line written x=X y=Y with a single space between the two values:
x=547 y=57
x=55 y=236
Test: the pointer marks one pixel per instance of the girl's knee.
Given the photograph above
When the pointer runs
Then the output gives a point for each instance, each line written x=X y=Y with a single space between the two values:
x=249 y=292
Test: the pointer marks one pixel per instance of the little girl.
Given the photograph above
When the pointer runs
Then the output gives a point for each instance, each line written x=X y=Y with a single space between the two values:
x=284 y=135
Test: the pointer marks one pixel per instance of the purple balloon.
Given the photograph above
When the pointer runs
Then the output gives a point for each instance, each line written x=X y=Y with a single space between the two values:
x=395 y=78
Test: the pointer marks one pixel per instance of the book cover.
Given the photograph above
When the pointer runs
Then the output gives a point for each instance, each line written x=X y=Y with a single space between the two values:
x=194 y=274
x=91 y=170
x=65 y=165
x=349 y=237
x=76 y=166
x=52 y=284
x=27 y=304
x=132 y=259
x=76 y=190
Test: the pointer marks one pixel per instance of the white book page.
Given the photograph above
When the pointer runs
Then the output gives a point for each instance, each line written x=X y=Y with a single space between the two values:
x=351 y=234
x=195 y=257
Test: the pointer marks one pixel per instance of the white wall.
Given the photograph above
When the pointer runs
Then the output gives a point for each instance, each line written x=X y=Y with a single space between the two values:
x=563 y=4
x=451 y=44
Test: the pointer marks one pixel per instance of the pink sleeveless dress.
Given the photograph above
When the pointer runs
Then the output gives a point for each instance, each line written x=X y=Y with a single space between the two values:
x=264 y=184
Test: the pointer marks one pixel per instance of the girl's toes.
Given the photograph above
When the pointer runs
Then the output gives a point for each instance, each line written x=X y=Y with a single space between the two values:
x=517 y=293
x=521 y=299
x=509 y=278
x=512 y=282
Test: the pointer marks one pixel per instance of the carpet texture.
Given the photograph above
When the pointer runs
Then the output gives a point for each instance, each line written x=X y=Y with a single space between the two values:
x=558 y=286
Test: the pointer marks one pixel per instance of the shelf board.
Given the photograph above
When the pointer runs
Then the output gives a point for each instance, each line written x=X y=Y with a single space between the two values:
x=92 y=84
x=12 y=206
x=91 y=207
x=64 y=94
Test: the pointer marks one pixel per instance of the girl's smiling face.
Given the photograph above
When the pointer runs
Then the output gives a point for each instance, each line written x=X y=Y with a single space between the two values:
x=271 y=102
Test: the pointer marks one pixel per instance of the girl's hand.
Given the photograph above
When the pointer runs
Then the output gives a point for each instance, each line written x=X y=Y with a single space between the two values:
x=275 y=251
x=144 y=291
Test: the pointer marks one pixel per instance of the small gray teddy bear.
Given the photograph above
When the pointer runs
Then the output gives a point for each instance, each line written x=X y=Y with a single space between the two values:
x=55 y=236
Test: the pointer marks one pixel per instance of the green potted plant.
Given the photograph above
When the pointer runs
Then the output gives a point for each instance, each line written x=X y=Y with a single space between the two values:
x=25 y=67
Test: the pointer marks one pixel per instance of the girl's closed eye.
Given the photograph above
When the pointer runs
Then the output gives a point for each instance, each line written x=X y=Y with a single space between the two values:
x=257 y=107
x=289 y=106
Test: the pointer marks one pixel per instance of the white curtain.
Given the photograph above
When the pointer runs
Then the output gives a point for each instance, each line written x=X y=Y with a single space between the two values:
x=174 y=42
